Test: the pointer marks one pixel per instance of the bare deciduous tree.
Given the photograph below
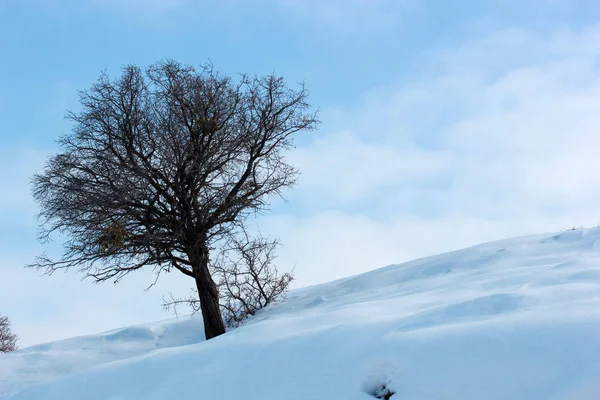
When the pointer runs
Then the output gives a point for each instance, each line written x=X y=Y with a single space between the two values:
x=8 y=340
x=246 y=277
x=161 y=165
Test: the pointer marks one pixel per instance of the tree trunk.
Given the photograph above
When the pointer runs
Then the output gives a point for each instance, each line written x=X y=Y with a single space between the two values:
x=208 y=294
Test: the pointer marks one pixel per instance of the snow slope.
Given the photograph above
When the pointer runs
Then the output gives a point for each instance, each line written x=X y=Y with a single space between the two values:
x=514 y=319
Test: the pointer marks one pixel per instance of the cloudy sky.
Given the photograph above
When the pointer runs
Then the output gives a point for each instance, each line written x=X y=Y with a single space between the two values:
x=445 y=124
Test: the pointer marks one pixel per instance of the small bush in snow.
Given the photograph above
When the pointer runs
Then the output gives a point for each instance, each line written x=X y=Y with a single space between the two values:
x=248 y=280
x=8 y=340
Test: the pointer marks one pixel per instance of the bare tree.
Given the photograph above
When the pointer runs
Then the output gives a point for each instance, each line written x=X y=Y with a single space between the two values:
x=161 y=165
x=246 y=277
x=8 y=340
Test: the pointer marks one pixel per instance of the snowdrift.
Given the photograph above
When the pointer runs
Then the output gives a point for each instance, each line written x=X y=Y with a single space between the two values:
x=514 y=319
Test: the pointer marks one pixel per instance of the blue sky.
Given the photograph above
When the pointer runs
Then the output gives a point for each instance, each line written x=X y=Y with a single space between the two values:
x=445 y=124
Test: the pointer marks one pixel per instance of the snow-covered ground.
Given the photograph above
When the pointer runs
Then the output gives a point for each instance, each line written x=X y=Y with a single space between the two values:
x=514 y=319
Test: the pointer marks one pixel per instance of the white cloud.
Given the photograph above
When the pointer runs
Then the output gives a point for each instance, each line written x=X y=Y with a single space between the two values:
x=517 y=154
x=347 y=168
x=532 y=136
x=510 y=48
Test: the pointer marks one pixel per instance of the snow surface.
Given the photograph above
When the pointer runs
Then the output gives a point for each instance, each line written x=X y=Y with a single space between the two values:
x=514 y=319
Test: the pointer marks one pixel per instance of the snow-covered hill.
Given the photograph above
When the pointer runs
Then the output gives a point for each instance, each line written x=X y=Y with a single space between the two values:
x=514 y=319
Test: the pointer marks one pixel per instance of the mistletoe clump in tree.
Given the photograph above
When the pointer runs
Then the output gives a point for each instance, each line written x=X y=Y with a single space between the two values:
x=163 y=165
